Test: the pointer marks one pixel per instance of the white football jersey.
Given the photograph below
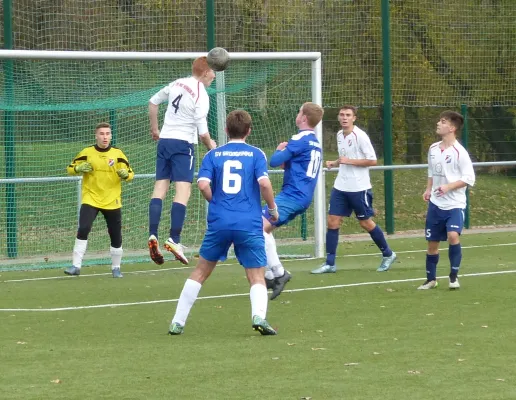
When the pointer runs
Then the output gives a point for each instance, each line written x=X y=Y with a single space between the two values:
x=356 y=145
x=447 y=166
x=188 y=106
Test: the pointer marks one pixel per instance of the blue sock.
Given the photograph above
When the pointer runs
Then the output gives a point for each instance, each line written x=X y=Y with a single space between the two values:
x=455 y=254
x=154 y=215
x=332 y=240
x=431 y=266
x=177 y=219
x=379 y=238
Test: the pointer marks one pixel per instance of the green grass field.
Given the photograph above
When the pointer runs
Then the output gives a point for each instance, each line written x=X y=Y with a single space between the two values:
x=356 y=334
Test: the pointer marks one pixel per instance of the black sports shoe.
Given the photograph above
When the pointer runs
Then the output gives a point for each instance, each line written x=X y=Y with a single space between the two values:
x=269 y=283
x=279 y=284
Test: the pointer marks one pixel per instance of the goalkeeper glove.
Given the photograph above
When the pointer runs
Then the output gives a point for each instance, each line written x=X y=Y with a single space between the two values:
x=123 y=173
x=83 y=167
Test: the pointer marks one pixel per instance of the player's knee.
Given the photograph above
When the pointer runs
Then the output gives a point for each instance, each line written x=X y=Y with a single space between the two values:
x=453 y=237
x=334 y=221
x=83 y=232
x=367 y=224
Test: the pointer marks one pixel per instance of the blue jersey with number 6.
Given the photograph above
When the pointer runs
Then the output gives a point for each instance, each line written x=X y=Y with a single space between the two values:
x=302 y=159
x=234 y=171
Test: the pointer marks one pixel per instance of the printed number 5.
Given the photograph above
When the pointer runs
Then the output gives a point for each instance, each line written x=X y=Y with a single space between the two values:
x=428 y=233
x=231 y=182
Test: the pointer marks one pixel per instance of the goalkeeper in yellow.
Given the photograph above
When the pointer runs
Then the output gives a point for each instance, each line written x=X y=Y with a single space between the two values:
x=103 y=168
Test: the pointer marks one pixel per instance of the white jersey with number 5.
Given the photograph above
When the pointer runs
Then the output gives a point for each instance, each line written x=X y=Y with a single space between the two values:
x=356 y=145
x=188 y=106
x=447 y=166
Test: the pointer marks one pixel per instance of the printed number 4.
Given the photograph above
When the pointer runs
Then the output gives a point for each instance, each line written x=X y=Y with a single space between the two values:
x=231 y=182
x=313 y=165
x=175 y=103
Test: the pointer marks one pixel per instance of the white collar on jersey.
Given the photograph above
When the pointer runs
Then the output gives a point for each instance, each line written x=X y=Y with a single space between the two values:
x=237 y=141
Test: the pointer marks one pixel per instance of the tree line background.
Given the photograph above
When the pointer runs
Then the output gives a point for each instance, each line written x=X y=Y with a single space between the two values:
x=444 y=54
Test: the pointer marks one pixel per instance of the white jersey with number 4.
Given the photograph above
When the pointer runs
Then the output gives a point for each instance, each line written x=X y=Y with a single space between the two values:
x=357 y=146
x=447 y=166
x=188 y=106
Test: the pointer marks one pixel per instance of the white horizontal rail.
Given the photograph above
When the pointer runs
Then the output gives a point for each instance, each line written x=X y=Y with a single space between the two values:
x=273 y=171
x=151 y=56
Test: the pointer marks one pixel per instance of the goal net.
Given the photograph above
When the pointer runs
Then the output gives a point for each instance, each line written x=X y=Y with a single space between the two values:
x=50 y=109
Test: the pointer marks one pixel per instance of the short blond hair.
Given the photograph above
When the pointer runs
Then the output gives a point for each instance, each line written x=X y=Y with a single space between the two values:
x=313 y=112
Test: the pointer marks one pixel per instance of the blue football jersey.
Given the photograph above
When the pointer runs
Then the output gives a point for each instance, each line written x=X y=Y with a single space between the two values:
x=302 y=159
x=234 y=170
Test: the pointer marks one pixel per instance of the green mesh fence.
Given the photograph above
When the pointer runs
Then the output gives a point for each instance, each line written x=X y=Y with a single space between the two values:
x=444 y=54
x=56 y=107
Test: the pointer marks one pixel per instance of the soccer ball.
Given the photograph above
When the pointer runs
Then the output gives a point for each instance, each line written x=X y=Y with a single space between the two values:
x=218 y=59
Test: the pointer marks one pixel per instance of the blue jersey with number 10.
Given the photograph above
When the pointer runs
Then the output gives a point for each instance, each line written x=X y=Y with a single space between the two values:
x=234 y=171
x=302 y=159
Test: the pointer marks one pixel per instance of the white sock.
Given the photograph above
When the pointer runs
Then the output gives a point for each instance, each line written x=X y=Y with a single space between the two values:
x=268 y=273
x=116 y=256
x=79 y=249
x=259 y=300
x=273 y=261
x=186 y=301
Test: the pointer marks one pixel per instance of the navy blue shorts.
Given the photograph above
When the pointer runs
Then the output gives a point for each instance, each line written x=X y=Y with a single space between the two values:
x=440 y=222
x=249 y=247
x=343 y=204
x=287 y=208
x=175 y=160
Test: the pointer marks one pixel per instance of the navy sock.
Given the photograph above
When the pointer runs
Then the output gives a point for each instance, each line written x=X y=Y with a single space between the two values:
x=177 y=219
x=379 y=239
x=455 y=254
x=332 y=240
x=431 y=266
x=154 y=215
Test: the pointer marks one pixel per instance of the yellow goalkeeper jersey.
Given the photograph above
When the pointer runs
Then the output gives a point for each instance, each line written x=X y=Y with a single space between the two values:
x=102 y=187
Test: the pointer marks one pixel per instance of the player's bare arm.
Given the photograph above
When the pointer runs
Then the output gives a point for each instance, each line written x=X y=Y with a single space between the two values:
x=205 y=188
x=208 y=141
x=153 y=118
x=332 y=164
x=443 y=189
x=428 y=190
x=268 y=195
x=357 y=162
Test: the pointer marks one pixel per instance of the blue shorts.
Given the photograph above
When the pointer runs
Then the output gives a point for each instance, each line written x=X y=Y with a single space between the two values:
x=343 y=204
x=440 y=222
x=287 y=208
x=249 y=247
x=175 y=160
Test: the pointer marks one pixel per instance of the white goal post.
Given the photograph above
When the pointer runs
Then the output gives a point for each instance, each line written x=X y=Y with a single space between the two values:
x=316 y=96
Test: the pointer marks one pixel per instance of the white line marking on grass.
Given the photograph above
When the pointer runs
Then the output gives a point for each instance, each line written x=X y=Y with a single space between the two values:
x=145 y=271
x=226 y=296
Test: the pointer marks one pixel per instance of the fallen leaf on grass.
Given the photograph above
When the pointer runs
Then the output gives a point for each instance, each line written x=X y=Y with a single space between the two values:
x=318 y=348
x=461 y=359
x=351 y=364
x=275 y=358
x=21 y=342
x=306 y=398
x=484 y=326
x=458 y=344
x=376 y=353
x=56 y=381
x=389 y=290
x=291 y=344
x=430 y=314
x=501 y=380
x=414 y=372
x=319 y=331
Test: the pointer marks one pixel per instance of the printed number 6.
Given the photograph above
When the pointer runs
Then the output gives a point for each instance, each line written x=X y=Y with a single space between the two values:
x=228 y=177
